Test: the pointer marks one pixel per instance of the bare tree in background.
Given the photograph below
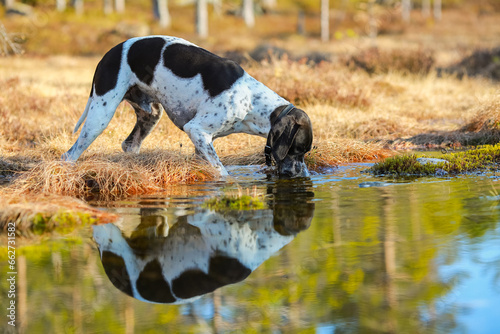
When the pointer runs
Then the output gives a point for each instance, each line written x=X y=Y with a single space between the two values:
x=120 y=6
x=269 y=4
x=161 y=13
x=372 y=22
x=437 y=10
x=426 y=8
x=325 y=20
x=8 y=45
x=108 y=7
x=8 y=3
x=61 y=5
x=202 y=18
x=248 y=13
x=78 y=5
x=405 y=10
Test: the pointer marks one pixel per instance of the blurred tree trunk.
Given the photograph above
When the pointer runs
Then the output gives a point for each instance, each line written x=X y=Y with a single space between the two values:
x=301 y=23
x=108 y=7
x=78 y=5
x=426 y=8
x=269 y=4
x=372 y=23
x=120 y=6
x=248 y=13
x=405 y=10
x=217 y=6
x=325 y=20
x=202 y=18
x=8 y=3
x=161 y=13
x=437 y=10
x=61 y=5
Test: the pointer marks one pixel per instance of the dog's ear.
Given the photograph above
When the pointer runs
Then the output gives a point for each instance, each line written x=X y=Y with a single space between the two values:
x=285 y=132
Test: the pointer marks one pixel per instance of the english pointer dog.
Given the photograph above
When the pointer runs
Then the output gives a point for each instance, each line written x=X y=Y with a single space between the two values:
x=205 y=95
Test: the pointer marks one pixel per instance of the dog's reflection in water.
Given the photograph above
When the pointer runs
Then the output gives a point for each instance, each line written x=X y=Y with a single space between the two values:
x=201 y=251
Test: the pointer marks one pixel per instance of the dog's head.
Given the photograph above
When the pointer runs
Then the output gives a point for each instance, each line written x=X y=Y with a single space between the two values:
x=289 y=139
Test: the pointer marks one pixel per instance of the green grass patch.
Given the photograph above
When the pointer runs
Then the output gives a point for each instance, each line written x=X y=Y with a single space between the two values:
x=482 y=158
x=62 y=222
x=231 y=203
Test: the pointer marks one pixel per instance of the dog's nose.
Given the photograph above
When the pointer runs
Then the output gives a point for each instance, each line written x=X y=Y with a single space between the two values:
x=295 y=170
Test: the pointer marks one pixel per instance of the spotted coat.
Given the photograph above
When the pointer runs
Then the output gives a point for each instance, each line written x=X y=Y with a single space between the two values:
x=203 y=94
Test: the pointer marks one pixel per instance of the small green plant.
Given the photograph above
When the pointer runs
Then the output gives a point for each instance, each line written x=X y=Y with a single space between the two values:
x=231 y=203
x=481 y=158
x=62 y=221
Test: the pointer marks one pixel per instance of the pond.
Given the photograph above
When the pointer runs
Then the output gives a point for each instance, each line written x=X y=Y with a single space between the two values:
x=342 y=252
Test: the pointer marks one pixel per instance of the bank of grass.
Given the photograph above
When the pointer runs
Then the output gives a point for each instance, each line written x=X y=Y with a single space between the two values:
x=46 y=214
x=482 y=158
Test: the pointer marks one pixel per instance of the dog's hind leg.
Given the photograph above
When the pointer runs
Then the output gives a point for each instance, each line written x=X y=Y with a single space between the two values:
x=100 y=113
x=146 y=122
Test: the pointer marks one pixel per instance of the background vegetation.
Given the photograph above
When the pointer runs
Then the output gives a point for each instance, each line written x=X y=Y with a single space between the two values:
x=382 y=81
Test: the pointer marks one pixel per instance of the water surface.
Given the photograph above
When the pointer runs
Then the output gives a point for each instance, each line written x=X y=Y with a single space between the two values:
x=341 y=252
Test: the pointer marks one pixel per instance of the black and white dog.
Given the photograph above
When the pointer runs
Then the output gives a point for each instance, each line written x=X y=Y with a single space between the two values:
x=203 y=94
x=173 y=255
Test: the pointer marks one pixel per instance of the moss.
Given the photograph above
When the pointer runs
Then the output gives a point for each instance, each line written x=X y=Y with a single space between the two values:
x=479 y=159
x=230 y=203
x=62 y=221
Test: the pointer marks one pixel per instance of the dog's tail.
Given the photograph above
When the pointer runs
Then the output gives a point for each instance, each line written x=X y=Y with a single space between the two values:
x=84 y=115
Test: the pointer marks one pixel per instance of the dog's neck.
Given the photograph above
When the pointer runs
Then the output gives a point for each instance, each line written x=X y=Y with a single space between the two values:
x=279 y=113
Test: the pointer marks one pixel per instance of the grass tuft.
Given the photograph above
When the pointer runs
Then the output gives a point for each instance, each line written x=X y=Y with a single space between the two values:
x=479 y=159
x=112 y=177
x=232 y=203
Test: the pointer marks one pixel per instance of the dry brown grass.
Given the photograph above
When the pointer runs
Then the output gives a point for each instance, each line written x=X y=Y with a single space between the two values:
x=112 y=177
x=303 y=84
x=353 y=114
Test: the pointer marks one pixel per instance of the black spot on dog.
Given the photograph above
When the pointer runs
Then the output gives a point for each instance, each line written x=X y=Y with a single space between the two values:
x=115 y=268
x=105 y=104
x=193 y=283
x=106 y=73
x=143 y=56
x=227 y=270
x=152 y=286
x=222 y=270
x=186 y=61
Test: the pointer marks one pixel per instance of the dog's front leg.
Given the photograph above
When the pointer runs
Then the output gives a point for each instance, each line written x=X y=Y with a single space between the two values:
x=203 y=143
